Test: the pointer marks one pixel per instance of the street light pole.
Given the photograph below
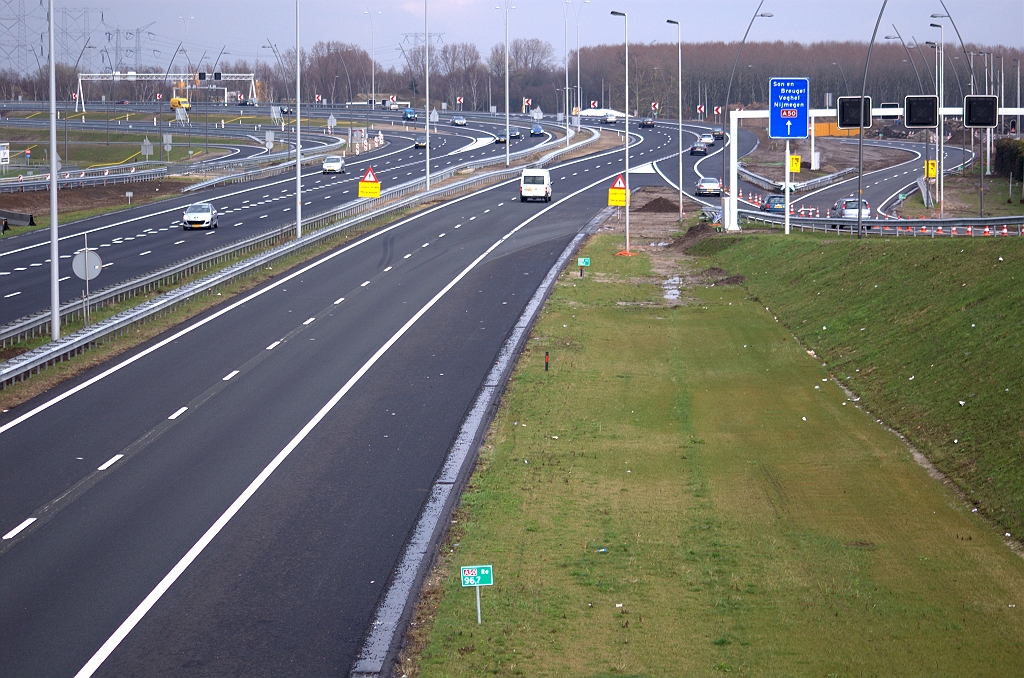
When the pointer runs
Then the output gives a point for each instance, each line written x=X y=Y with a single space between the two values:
x=860 y=136
x=679 y=43
x=373 y=64
x=565 y=58
x=727 y=219
x=505 y=11
x=579 y=90
x=426 y=59
x=298 y=127
x=54 y=250
x=940 y=151
x=911 y=58
x=842 y=73
x=626 y=252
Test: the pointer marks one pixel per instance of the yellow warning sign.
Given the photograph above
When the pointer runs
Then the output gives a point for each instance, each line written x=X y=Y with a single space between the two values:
x=794 y=164
x=930 y=168
x=616 y=197
x=369 y=189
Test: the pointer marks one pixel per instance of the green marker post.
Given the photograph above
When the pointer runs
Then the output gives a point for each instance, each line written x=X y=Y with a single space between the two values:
x=477 y=576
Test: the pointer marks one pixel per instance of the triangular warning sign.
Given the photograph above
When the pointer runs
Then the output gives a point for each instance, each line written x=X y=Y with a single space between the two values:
x=619 y=182
x=370 y=176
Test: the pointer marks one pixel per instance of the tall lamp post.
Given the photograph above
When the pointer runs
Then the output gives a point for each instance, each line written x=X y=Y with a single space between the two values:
x=565 y=58
x=298 y=126
x=426 y=59
x=373 y=63
x=579 y=90
x=54 y=252
x=845 y=82
x=728 y=219
x=504 y=8
x=626 y=252
x=940 y=154
x=679 y=44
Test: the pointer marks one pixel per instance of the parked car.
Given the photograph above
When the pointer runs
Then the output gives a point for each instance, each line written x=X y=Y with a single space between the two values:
x=775 y=204
x=199 y=215
x=846 y=208
x=514 y=133
x=718 y=133
x=459 y=121
x=499 y=138
x=708 y=186
x=536 y=131
x=421 y=141
x=707 y=139
x=334 y=164
x=535 y=184
x=647 y=122
x=698 y=149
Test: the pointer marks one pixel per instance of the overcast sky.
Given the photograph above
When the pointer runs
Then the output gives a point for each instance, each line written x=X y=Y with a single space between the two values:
x=244 y=26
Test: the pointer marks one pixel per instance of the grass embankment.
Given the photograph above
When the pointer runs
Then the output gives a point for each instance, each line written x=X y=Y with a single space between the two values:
x=915 y=328
x=686 y=486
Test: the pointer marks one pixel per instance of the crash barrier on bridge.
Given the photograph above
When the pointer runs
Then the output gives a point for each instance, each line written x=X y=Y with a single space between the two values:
x=91 y=177
x=810 y=185
x=319 y=228
x=978 y=227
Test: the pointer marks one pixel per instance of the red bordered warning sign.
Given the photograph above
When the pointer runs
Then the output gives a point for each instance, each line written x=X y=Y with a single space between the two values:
x=619 y=182
x=369 y=185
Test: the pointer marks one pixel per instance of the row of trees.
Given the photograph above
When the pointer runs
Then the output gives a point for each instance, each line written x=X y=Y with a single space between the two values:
x=340 y=72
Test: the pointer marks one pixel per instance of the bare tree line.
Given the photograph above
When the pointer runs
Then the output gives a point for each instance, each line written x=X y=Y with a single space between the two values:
x=341 y=72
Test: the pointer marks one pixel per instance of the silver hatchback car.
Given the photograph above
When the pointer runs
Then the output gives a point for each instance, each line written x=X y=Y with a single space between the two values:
x=199 y=215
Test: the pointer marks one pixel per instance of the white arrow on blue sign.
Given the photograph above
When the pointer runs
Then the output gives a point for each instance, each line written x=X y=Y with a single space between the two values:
x=788 y=105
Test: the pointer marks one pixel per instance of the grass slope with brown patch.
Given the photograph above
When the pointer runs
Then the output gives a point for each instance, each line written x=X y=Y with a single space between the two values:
x=686 y=493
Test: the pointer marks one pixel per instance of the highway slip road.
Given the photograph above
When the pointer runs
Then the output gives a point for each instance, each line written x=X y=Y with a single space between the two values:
x=147 y=238
x=232 y=498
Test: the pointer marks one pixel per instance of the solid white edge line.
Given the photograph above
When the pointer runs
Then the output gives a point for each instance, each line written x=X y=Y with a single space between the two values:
x=178 y=413
x=14 y=533
x=229 y=375
x=110 y=462
x=136 y=616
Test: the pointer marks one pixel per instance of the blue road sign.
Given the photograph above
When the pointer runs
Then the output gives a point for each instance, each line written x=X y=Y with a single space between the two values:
x=788 y=106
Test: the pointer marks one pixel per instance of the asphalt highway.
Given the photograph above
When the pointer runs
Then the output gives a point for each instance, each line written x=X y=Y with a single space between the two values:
x=232 y=497
x=143 y=239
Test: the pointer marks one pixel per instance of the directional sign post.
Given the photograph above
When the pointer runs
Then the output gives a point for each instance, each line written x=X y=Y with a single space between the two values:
x=617 y=193
x=477 y=576
x=369 y=185
x=788 y=105
x=582 y=261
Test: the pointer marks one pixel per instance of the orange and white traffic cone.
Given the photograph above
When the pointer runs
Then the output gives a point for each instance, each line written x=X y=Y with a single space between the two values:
x=939 y=230
x=1004 y=230
x=987 y=232
x=970 y=231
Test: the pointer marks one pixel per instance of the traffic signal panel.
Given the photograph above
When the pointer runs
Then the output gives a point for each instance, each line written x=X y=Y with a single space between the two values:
x=849 y=116
x=981 y=110
x=921 y=112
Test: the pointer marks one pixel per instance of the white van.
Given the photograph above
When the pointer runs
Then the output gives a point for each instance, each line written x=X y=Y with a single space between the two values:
x=535 y=184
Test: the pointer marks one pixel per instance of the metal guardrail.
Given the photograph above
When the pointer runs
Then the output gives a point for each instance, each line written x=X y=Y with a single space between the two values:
x=320 y=227
x=971 y=227
x=80 y=178
x=810 y=185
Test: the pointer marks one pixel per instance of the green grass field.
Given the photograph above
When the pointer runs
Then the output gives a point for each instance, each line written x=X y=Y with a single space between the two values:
x=687 y=493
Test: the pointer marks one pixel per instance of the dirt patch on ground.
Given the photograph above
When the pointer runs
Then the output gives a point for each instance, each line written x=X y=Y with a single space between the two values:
x=836 y=154
x=37 y=203
x=657 y=231
x=660 y=206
